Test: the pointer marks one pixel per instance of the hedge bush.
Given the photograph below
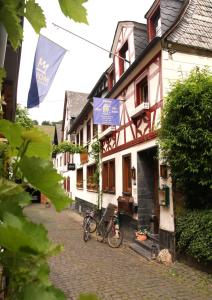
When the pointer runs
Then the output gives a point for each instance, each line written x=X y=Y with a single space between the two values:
x=185 y=137
x=194 y=234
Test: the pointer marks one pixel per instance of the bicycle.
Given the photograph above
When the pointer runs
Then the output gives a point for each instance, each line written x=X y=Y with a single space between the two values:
x=110 y=230
x=89 y=225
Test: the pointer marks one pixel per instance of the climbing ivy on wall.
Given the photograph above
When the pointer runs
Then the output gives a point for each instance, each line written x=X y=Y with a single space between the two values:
x=95 y=153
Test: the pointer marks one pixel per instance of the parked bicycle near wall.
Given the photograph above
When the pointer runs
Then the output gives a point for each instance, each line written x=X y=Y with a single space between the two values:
x=89 y=224
x=110 y=230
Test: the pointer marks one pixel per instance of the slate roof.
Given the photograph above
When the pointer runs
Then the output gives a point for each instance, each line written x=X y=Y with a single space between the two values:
x=169 y=11
x=194 y=26
x=74 y=103
x=59 y=132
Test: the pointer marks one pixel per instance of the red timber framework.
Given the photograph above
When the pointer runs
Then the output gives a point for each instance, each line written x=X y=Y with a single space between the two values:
x=139 y=129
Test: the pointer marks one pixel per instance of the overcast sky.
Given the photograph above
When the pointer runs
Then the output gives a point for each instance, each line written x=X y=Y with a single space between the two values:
x=83 y=64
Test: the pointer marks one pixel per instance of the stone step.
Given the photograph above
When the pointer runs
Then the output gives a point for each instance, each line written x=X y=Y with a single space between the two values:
x=147 y=244
x=140 y=250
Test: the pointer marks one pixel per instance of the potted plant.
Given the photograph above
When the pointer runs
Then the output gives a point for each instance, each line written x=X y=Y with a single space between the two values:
x=141 y=235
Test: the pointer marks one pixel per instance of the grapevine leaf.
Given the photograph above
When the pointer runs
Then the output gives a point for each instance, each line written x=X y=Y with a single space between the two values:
x=13 y=192
x=40 y=292
x=11 y=22
x=10 y=207
x=39 y=143
x=74 y=10
x=12 y=132
x=34 y=15
x=12 y=198
x=18 y=234
x=41 y=174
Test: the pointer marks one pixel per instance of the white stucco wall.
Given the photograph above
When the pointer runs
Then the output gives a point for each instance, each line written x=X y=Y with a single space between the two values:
x=178 y=66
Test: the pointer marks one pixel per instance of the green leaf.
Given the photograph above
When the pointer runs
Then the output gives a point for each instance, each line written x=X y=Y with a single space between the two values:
x=74 y=10
x=40 y=293
x=39 y=143
x=41 y=174
x=18 y=234
x=34 y=15
x=12 y=132
x=13 y=192
x=12 y=24
x=12 y=198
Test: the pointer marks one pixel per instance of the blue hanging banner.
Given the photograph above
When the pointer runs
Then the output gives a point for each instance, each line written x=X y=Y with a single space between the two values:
x=48 y=57
x=106 y=111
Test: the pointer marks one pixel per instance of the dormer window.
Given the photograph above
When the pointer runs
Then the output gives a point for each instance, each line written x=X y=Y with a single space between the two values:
x=124 y=59
x=157 y=23
x=154 y=24
x=111 y=80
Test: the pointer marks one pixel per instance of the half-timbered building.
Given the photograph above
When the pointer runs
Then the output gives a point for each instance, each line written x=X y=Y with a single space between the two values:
x=73 y=104
x=147 y=58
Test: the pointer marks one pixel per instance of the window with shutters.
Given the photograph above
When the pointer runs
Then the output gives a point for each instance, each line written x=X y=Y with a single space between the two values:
x=80 y=178
x=108 y=176
x=91 y=182
x=124 y=58
x=142 y=91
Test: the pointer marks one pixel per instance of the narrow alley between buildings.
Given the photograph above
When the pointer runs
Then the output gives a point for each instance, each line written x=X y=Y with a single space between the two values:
x=119 y=274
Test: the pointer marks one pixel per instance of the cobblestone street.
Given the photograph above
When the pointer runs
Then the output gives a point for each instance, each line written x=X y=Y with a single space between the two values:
x=119 y=274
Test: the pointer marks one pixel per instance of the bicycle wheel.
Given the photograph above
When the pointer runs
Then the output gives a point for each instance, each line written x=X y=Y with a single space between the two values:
x=92 y=225
x=100 y=233
x=114 y=237
x=85 y=235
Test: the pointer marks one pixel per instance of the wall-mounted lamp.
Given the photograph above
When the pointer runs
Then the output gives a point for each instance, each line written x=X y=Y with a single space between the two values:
x=133 y=173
